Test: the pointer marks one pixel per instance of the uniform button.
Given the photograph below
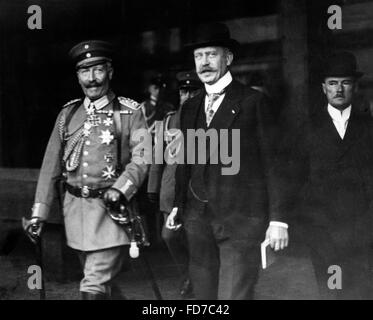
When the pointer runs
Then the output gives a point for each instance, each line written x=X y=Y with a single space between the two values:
x=85 y=176
x=85 y=153
x=88 y=142
x=85 y=164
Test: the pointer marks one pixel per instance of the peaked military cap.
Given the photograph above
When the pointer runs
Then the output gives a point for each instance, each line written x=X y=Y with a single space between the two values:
x=188 y=80
x=91 y=52
x=159 y=80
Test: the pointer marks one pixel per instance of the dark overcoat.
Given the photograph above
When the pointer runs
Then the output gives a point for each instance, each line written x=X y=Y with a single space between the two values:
x=328 y=182
x=239 y=201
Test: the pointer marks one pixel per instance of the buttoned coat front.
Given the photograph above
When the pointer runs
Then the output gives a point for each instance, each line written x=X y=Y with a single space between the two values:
x=327 y=182
x=87 y=224
x=239 y=201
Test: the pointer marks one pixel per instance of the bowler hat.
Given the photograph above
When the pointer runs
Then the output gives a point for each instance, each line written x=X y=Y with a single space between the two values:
x=188 y=80
x=91 y=52
x=341 y=64
x=212 y=35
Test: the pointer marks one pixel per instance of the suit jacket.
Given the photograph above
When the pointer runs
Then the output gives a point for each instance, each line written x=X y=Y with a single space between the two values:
x=328 y=181
x=242 y=199
x=87 y=224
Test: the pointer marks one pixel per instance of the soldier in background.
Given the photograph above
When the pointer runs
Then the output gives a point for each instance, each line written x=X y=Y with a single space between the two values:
x=161 y=183
x=84 y=148
x=156 y=106
x=154 y=109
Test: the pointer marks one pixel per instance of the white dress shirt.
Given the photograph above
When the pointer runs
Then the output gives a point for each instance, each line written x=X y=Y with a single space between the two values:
x=218 y=87
x=340 y=119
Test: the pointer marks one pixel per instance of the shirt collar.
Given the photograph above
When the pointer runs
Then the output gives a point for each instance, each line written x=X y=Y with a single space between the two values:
x=220 y=85
x=100 y=103
x=339 y=115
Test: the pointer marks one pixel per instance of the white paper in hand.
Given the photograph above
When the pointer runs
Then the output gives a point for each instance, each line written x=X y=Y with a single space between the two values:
x=268 y=255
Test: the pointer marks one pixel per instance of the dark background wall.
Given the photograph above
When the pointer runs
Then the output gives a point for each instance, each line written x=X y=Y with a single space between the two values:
x=37 y=77
x=284 y=39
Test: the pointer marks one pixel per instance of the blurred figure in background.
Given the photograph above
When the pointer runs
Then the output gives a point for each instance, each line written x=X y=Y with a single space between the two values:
x=161 y=185
x=156 y=106
x=257 y=82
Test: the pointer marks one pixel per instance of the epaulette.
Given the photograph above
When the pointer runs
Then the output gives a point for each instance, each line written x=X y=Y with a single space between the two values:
x=132 y=104
x=71 y=102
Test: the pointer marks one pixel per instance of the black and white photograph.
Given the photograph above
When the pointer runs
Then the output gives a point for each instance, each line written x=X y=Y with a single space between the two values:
x=187 y=151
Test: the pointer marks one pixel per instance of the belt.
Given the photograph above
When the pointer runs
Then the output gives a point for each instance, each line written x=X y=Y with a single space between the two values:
x=85 y=192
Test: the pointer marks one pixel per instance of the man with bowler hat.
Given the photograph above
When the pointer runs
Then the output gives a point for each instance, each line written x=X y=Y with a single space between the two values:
x=225 y=214
x=92 y=148
x=325 y=174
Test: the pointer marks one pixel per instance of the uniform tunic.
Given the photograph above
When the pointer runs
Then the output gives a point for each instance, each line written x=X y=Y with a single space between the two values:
x=88 y=226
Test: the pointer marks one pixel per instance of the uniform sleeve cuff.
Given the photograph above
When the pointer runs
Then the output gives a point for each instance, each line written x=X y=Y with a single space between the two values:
x=279 y=224
x=40 y=210
x=128 y=189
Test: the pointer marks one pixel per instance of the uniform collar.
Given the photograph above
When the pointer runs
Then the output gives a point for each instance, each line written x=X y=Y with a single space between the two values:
x=100 y=103
x=220 y=85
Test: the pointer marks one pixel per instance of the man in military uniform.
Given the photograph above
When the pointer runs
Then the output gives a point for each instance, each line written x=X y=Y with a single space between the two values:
x=161 y=183
x=156 y=107
x=84 y=149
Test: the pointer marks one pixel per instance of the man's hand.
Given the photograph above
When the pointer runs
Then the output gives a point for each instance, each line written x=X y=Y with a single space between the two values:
x=33 y=227
x=113 y=199
x=112 y=195
x=171 y=220
x=278 y=237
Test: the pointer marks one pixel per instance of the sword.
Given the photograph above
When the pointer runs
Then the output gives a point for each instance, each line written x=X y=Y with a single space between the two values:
x=31 y=230
x=134 y=228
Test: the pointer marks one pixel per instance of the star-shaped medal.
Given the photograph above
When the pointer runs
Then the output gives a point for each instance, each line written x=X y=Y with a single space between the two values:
x=106 y=137
x=90 y=109
x=108 y=173
x=108 y=122
x=86 y=132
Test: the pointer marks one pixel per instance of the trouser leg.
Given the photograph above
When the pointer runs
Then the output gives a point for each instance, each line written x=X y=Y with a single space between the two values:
x=356 y=277
x=321 y=272
x=239 y=268
x=345 y=277
x=100 y=269
x=177 y=245
x=204 y=260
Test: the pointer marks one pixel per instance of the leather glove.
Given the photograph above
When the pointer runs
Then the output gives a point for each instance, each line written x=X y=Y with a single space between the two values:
x=33 y=227
x=153 y=197
x=113 y=199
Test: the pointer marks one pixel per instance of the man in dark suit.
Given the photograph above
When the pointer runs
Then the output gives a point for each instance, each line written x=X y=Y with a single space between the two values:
x=325 y=169
x=225 y=213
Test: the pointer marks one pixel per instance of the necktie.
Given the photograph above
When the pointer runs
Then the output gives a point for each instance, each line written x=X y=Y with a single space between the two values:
x=212 y=97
